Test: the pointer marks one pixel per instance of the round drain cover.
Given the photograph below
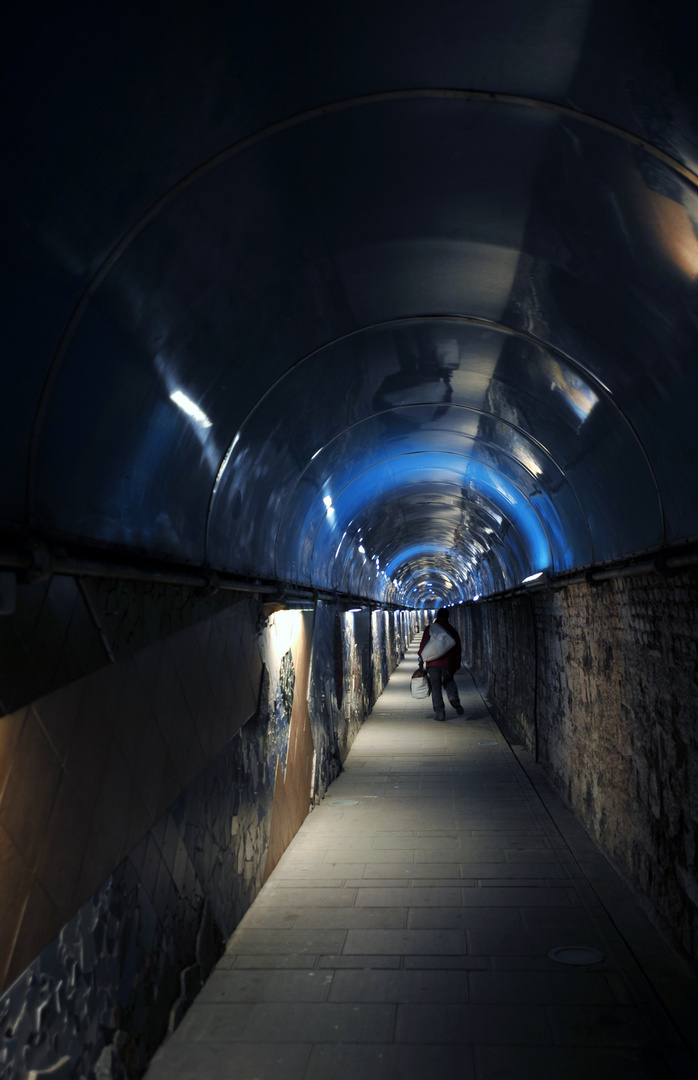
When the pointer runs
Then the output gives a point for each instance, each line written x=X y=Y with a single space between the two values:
x=344 y=802
x=576 y=954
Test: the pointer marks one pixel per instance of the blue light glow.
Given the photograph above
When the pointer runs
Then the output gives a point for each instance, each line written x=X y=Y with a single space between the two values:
x=463 y=480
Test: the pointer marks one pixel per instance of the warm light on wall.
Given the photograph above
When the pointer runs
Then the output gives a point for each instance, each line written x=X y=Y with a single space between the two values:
x=675 y=231
x=672 y=228
x=283 y=629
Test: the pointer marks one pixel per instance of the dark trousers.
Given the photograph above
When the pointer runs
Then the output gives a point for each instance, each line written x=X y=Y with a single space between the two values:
x=442 y=679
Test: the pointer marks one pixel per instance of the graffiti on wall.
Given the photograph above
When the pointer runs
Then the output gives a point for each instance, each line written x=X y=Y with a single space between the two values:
x=122 y=972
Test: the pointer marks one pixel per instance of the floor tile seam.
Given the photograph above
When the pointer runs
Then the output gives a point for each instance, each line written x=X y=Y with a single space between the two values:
x=583 y=888
x=431 y=965
x=641 y=986
x=655 y=1043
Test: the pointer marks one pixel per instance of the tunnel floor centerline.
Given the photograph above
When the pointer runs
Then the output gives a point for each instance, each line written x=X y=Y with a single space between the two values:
x=406 y=931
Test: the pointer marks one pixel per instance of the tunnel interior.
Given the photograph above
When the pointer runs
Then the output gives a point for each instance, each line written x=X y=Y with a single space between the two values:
x=367 y=309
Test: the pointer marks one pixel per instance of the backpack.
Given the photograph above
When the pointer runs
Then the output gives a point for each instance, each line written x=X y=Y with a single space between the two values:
x=439 y=643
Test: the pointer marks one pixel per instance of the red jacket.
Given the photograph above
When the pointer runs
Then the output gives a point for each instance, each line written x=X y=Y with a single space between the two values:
x=451 y=659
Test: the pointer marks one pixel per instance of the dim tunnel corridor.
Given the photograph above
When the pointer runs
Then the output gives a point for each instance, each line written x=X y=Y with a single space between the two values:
x=440 y=911
x=316 y=319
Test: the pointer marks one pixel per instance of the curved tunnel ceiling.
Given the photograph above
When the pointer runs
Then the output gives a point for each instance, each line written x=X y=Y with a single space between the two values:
x=406 y=312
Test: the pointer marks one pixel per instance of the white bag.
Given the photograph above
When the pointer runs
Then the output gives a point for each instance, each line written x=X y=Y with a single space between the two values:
x=419 y=684
x=439 y=643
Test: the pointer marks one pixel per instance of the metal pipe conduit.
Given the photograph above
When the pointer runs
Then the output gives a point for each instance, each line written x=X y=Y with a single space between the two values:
x=39 y=563
x=661 y=561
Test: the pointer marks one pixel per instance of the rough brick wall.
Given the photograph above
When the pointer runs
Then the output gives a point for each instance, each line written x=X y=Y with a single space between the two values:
x=499 y=648
x=613 y=716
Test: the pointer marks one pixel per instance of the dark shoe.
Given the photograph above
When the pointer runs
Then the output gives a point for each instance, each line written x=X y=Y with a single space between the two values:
x=458 y=707
x=439 y=717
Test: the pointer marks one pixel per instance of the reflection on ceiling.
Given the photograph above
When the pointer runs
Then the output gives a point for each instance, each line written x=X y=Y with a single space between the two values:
x=401 y=308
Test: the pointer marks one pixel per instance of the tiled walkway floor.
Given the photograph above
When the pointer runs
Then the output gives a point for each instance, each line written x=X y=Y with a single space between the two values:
x=405 y=933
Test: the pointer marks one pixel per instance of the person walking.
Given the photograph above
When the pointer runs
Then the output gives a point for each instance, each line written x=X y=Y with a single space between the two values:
x=441 y=669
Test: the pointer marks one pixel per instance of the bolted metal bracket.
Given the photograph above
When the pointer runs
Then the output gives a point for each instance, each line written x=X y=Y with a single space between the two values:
x=42 y=564
x=662 y=566
x=213 y=584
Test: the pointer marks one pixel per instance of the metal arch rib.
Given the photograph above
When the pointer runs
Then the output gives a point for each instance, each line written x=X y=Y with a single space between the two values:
x=278 y=128
x=495 y=548
x=473 y=320
x=465 y=408
x=467 y=457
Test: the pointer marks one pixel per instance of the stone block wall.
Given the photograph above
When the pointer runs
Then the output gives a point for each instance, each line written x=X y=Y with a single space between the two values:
x=601 y=682
x=142 y=806
x=499 y=647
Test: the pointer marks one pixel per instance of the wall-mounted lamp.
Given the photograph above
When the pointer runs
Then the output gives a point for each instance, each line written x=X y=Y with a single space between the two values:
x=538 y=578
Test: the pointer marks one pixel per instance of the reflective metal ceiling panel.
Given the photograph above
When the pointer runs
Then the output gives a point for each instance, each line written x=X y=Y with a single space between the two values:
x=437 y=268
x=419 y=384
